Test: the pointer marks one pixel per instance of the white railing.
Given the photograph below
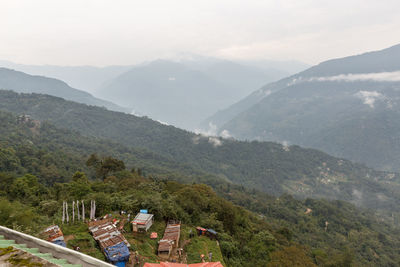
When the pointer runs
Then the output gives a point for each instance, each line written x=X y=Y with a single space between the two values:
x=57 y=251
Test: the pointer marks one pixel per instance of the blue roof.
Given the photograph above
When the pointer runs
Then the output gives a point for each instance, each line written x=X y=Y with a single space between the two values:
x=120 y=264
x=212 y=231
x=60 y=243
x=117 y=253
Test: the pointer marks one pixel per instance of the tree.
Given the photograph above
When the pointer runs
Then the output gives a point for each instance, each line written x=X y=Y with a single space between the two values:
x=105 y=166
x=8 y=160
x=80 y=177
x=109 y=165
x=290 y=256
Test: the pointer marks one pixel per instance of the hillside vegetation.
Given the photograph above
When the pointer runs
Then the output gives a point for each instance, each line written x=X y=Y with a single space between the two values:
x=284 y=229
x=347 y=107
x=265 y=166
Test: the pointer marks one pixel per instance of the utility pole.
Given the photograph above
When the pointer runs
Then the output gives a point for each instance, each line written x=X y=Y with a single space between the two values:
x=63 y=216
x=83 y=211
x=77 y=210
x=73 y=211
x=66 y=211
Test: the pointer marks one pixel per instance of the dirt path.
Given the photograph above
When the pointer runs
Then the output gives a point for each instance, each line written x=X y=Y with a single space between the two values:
x=68 y=238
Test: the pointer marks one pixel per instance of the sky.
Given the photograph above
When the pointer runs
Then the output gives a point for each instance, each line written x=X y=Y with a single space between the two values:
x=124 y=32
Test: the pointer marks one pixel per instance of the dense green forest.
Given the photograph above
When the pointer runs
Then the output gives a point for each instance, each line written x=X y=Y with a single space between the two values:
x=41 y=166
x=265 y=166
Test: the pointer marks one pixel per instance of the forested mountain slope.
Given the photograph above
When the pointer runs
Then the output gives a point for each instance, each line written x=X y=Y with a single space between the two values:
x=25 y=83
x=346 y=107
x=285 y=230
x=386 y=60
x=266 y=166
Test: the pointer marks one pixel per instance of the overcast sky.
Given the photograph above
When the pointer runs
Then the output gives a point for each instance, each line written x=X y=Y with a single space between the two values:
x=107 y=32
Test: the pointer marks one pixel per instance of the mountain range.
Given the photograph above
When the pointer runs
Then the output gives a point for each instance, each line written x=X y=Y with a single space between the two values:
x=86 y=78
x=184 y=93
x=25 y=83
x=347 y=107
x=181 y=92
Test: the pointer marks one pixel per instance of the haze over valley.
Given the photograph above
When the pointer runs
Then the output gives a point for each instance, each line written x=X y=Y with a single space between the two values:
x=200 y=133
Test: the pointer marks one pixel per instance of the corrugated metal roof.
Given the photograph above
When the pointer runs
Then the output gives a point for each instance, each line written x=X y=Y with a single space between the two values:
x=171 y=237
x=53 y=233
x=106 y=233
x=99 y=222
x=142 y=218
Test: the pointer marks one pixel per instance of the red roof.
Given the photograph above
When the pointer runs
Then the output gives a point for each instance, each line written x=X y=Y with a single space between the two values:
x=170 y=264
x=153 y=235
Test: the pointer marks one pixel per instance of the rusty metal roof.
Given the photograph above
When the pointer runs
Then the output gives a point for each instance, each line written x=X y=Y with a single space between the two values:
x=106 y=233
x=171 y=236
x=99 y=222
x=53 y=232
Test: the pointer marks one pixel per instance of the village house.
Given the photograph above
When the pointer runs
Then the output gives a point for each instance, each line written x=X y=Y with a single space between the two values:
x=142 y=222
x=112 y=243
x=170 y=239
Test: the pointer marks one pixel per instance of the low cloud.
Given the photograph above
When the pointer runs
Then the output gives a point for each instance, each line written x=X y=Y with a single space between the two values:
x=357 y=194
x=225 y=134
x=211 y=131
x=369 y=97
x=285 y=146
x=133 y=112
x=264 y=93
x=163 y=122
x=196 y=139
x=393 y=76
x=377 y=76
x=210 y=134
x=215 y=141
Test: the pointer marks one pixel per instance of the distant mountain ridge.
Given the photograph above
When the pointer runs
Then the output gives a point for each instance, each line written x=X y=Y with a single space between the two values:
x=87 y=78
x=347 y=107
x=25 y=83
x=205 y=84
x=183 y=93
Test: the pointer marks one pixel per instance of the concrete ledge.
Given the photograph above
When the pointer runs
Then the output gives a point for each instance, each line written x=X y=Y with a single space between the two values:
x=57 y=251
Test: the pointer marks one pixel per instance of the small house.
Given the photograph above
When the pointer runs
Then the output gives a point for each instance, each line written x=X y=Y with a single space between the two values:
x=142 y=222
x=201 y=230
x=111 y=241
x=170 y=239
x=54 y=235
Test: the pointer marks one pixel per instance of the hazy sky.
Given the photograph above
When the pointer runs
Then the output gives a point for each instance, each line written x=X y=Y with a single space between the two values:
x=105 y=32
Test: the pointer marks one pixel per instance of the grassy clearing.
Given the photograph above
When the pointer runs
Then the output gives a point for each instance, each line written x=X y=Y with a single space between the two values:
x=203 y=245
x=83 y=239
x=142 y=243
